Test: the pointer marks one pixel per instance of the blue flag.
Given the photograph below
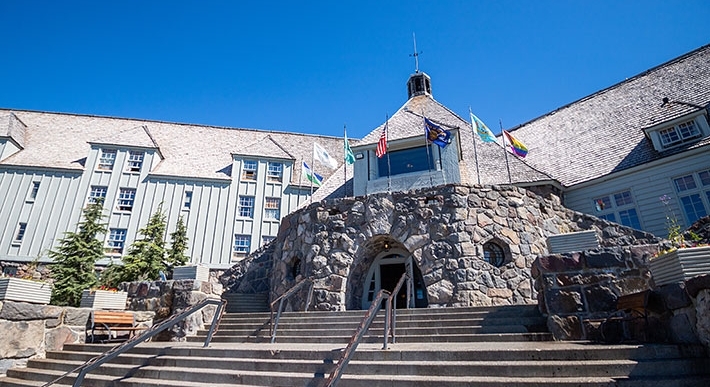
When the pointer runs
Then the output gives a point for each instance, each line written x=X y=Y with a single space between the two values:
x=482 y=130
x=437 y=134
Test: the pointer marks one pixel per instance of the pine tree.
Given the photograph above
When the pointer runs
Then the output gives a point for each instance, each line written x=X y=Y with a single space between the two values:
x=178 y=246
x=146 y=257
x=75 y=257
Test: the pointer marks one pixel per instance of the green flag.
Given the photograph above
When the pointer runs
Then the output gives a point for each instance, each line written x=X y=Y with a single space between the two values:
x=349 y=156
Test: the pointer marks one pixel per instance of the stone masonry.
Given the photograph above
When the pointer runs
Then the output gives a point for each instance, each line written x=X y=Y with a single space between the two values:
x=443 y=229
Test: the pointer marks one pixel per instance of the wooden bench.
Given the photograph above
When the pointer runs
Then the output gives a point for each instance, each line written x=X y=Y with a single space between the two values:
x=629 y=307
x=111 y=323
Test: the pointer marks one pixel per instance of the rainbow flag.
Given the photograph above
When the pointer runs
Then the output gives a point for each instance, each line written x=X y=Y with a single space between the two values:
x=516 y=146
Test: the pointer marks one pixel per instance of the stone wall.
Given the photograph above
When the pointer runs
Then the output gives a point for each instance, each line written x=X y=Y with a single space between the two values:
x=166 y=298
x=443 y=229
x=27 y=331
x=577 y=290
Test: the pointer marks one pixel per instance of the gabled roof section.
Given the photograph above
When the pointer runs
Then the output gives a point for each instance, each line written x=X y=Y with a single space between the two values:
x=265 y=147
x=487 y=159
x=13 y=128
x=60 y=140
x=137 y=136
x=604 y=133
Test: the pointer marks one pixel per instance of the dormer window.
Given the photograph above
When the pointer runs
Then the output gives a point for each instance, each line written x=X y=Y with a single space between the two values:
x=679 y=134
x=107 y=159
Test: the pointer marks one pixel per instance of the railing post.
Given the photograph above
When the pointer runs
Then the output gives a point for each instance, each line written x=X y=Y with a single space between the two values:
x=388 y=312
x=215 y=318
x=276 y=322
x=308 y=298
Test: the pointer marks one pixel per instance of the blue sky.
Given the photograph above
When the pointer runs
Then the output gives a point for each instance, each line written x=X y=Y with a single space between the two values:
x=314 y=66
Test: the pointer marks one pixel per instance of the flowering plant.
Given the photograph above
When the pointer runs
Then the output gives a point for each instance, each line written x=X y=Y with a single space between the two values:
x=674 y=229
x=106 y=288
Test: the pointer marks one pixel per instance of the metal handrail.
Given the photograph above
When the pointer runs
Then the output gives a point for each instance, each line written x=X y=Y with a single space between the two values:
x=391 y=309
x=357 y=336
x=274 y=323
x=112 y=353
x=389 y=328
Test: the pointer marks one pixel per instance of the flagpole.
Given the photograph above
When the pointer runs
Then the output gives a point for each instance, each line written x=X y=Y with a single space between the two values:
x=345 y=164
x=387 y=151
x=300 y=181
x=426 y=145
x=475 y=153
x=313 y=168
x=507 y=165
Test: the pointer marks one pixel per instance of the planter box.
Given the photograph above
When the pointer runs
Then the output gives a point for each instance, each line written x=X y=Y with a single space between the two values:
x=680 y=265
x=21 y=290
x=196 y=272
x=103 y=299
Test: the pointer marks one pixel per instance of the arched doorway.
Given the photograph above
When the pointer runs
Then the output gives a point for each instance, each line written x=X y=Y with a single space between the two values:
x=384 y=273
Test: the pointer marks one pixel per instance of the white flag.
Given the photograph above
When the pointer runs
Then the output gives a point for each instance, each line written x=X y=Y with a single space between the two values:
x=320 y=154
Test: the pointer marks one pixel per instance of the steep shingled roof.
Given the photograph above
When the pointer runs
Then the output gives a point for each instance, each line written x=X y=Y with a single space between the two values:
x=59 y=140
x=603 y=133
x=408 y=122
x=12 y=127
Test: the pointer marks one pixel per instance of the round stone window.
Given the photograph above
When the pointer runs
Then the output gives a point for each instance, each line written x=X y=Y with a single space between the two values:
x=493 y=254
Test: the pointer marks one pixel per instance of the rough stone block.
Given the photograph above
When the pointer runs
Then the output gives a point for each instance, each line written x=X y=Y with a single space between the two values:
x=20 y=338
x=604 y=258
x=77 y=316
x=694 y=285
x=565 y=328
x=563 y=301
x=682 y=327
x=674 y=295
x=600 y=298
x=18 y=311
x=57 y=337
x=558 y=263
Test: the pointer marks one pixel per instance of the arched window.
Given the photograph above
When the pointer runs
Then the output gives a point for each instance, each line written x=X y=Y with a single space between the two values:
x=493 y=254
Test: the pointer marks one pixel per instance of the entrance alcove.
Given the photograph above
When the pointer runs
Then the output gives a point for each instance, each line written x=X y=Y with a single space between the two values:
x=383 y=262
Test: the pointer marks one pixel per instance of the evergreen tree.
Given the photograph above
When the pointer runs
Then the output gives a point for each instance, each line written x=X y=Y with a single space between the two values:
x=178 y=246
x=75 y=257
x=146 y=257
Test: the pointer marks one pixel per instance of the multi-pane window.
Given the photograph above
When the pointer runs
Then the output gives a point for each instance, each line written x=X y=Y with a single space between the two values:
x=693 y=194
x=249 y=170
x=97 y=192
x=126 y=197
x=34 y=190
x=107 y=159
x=406 y=161
x=20 y=233
x=618 y=207
x=116 y=240
x=242 y=244
x=274 y=171
x=187 y=200
x=680 y=133
x=246 y=206
x=265 y=240
x=135 y=161
x=272 y=208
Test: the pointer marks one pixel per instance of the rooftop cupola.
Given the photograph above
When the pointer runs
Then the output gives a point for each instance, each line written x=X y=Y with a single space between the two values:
x=419 y=83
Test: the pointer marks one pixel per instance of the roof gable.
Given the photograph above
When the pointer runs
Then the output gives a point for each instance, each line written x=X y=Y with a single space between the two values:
x=266 y=147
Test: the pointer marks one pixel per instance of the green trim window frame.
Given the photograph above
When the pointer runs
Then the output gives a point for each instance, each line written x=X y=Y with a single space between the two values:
x=406 y=161
x=135 y=161
x=116 y=241
x=97 y=192
x=107 y=159
x=693 y=192
x=618 y=207
x=274 y=172
x=272 y=208
x=242 y=244
x=249 y=168
x=126 y=198
x=20 y=233
x=246 y=206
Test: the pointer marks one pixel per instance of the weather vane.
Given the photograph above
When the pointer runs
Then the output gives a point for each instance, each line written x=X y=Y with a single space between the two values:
x=416 y=54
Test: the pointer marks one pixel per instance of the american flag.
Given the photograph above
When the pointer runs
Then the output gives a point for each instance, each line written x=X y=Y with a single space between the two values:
x=382 y=143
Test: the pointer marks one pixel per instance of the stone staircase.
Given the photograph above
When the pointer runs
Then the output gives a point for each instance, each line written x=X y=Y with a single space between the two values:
x=501 y=346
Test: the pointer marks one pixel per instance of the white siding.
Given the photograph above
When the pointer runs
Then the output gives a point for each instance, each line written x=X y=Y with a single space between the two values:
x=647 y=185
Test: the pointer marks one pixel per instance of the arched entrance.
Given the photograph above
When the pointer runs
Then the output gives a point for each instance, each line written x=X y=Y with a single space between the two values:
x=384 y=273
